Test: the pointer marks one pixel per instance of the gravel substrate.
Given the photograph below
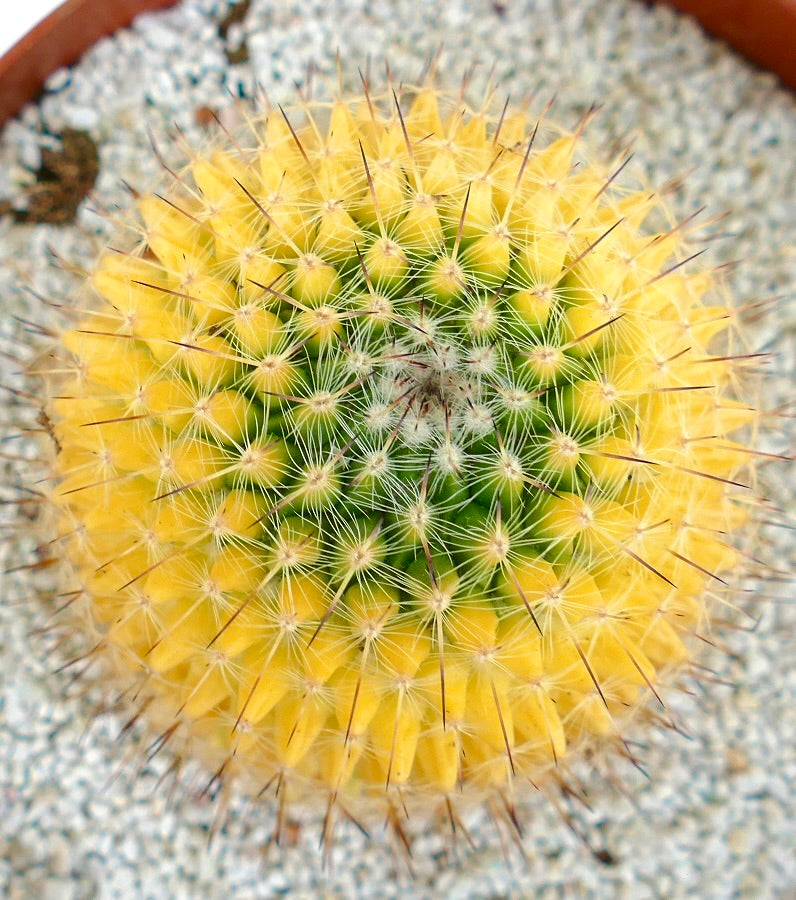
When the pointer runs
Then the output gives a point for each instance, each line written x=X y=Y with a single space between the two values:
x=716 y=816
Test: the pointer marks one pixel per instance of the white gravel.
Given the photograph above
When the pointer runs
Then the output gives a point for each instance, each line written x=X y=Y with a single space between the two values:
x=716 y=818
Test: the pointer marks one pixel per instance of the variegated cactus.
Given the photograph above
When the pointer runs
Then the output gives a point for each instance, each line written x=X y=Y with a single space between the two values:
x=393 y=454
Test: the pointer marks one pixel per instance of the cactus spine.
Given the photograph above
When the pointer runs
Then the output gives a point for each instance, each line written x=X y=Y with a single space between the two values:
x=394 y=453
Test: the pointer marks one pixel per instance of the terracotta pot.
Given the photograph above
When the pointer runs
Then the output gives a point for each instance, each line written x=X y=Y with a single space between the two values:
x=764 y=30
x=60 y=40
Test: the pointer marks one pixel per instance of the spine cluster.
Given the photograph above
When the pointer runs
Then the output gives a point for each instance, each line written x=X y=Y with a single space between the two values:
x=395 y=451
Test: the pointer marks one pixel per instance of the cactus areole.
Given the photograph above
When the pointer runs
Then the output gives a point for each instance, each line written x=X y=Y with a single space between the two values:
x=394 y=452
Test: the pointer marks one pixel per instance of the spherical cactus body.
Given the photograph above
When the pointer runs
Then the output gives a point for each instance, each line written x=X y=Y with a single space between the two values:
x=395 y=454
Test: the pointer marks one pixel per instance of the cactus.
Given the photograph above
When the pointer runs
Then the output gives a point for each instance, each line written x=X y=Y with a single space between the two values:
x=393 y=453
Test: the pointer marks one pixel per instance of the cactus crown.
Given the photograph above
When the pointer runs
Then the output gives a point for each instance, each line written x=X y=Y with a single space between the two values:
x=393 y=454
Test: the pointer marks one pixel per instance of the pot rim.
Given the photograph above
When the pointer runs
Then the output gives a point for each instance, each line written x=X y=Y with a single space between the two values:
x=60 y=39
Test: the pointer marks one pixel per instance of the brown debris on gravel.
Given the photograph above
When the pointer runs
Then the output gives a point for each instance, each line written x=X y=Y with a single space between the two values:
x=63 y=180
x=235 y=15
